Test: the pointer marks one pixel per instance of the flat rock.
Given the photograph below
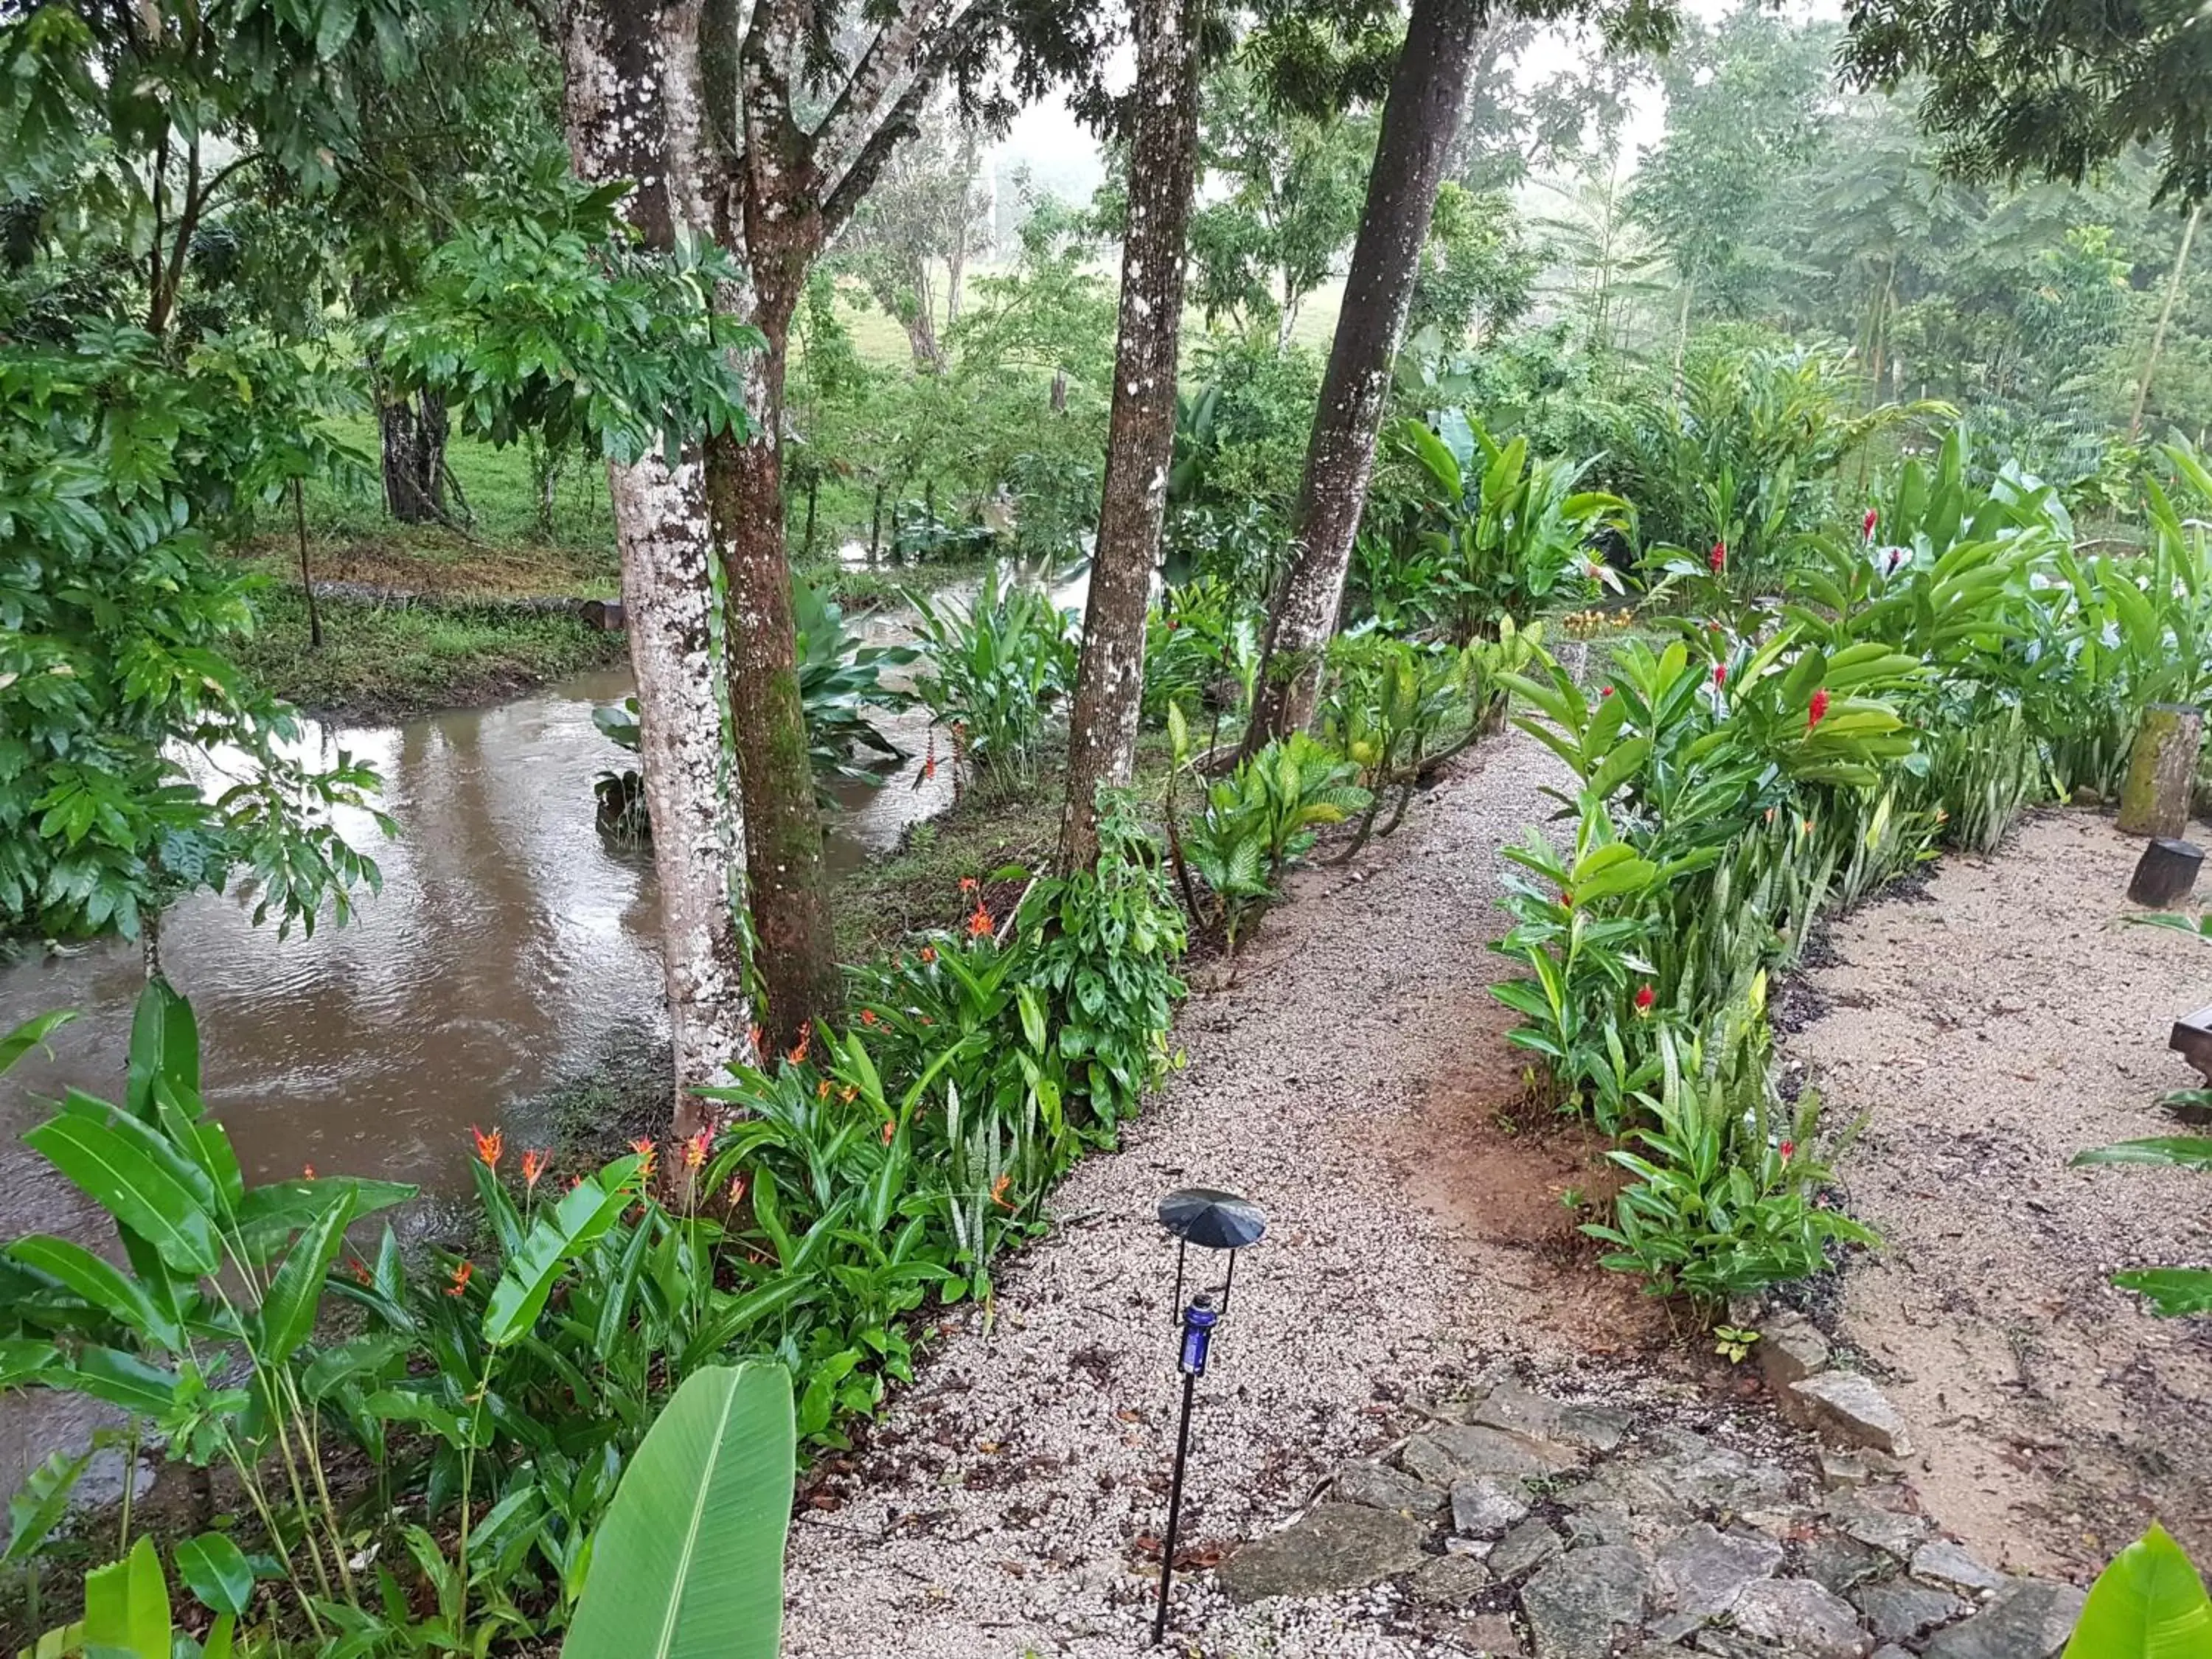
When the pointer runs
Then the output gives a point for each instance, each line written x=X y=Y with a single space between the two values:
x=1379 y=1487
x=1891 y=1531
x=1900 y=1612
x=1491 y=1635
x=1581 y=1601
x=1790 y=1349
x=1842 y=1470
x=1486 y=1505
x=1891 y=1651
x=1709 y=1477
x=1538 y=1417
x=1838 y=1563
x=2028 y=1618
x=1701 y=1571
x=1800 y=1617
x=1849 y=1409
x=1334 y=1546
x=1529 y=1546
x=1454 y=1452
x=1942 y=1562
x=1449 y=1580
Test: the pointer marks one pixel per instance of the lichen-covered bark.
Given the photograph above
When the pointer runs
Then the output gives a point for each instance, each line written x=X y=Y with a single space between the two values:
x=1420 y=120
x=1102 y=733
x=629 y=71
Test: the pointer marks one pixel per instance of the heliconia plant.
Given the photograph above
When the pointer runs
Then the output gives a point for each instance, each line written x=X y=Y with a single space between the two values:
x=2148 y=1604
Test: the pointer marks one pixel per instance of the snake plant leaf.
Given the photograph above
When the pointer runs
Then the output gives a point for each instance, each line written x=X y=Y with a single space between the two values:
x=688 y=1562
x=2148 y=1604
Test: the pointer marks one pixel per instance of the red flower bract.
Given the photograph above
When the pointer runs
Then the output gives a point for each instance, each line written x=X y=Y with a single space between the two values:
x=1789 y=1148
x=1866 y=524
x=1645 y=996
x=1720 y=674
x=1817 y=710
x=1718 y=557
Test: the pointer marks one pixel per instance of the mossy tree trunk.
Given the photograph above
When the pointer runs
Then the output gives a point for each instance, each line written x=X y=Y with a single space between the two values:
x=2162 y=771
x=1102 y=733
x=1420 y=121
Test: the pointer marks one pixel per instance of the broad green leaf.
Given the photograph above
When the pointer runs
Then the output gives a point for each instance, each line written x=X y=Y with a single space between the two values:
x=99 y=1283
x=688 y=1562
x=165 y=1043
x=38 y=1507
x=2173 y=1293
x=121 y=1379
x=126 y=1606
x=130 y=1186
x=2148 y=1604
x=295 y=1292
x=270 y=1214
x=580 y=1219
x=216 y=1571
x=29 y=1035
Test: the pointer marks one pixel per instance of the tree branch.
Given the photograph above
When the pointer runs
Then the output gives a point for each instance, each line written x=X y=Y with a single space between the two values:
x=859 y=106
x=843 y=193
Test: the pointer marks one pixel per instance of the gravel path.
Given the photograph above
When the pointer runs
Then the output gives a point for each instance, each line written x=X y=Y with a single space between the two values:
x=998 y=1509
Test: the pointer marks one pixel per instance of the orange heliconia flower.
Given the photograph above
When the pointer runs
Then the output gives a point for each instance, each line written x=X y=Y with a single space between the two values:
x=998 y=1192
x=979 y=924
x=890 y=1129
x=534 y=1163
x=462 y=1274
x=695 y=1151
x=850 y=1093
x=360 y=1270
x=929 y=953
x=969 y=885
x=868 y=1017
x=489 y=1146
x=306 y=1171
x=737 y=1190
x=760 y=1040
x=644 y=1150
x=797 y=1055
x=821 y=1090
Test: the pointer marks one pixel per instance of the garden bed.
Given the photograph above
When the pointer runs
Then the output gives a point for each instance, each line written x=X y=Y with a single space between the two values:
x=1989 y=1026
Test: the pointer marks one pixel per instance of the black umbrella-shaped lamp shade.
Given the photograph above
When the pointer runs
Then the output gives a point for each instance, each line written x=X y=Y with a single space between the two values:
x=1212 y=1220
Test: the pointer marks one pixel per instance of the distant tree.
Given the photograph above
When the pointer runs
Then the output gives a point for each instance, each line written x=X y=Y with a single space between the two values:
x=1477 y=272
x=926 y=214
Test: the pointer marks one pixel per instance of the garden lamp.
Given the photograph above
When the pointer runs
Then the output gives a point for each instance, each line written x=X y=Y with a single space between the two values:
x=1213 y=1221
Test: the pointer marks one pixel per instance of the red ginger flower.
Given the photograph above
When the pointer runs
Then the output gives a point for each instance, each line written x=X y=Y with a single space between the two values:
x=1866 y=524
x=1789 y=1147
x=489 y=1146
x=1605 y=691
x=1817 y=710
x=1645 y=996
x=1718 y=557
x=1720 y=674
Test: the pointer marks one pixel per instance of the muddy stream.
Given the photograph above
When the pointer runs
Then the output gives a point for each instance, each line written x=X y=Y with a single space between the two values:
x=512 y=946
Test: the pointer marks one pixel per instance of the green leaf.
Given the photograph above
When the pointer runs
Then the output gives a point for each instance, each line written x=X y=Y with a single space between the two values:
x=29 y=1035
x=101 y=1284
x=270 y=1214
x=2148 y=1604
x=580 y=1219
x=37 y=1508
x=165 y=1045
x=216 y=1571
x=131 y=1187
x=126 y=1606
x=2172 y=1152
x=122 y=1379
x=288 y=1311
x=688 y=1562
x=2173 y=1293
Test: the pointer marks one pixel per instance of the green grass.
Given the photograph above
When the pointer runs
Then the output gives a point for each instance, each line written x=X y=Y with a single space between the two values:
x=496 y=484
x=383 y=663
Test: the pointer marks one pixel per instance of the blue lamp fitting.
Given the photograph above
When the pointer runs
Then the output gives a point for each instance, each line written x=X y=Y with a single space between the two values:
x=1198 y=1322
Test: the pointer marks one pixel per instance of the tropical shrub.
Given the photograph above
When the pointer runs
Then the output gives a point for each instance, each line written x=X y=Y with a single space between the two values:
x=992 y=669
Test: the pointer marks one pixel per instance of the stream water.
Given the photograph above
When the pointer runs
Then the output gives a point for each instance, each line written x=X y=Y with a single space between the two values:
x=511 y=944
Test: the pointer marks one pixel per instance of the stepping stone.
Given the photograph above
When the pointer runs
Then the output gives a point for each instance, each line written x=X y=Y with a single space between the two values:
x=1790 y=1348
x=1579 y=1603
x=1486 y=1505
x=1900 y=1612
x=1849 y=1409
x=1538 y=1417
x=1702 y=1571
x=1335 y=1546
x=2028 y=1618
x=1888 y=1530
x=1378 y=1486
x=1449 y=1580
x=1455 y=1453
x=1798 y=1616
x=1528 y=1546
x=1942 y=1562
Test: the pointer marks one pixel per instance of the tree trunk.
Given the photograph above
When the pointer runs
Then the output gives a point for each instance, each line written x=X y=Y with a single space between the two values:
x=1102 y=733
x=1420 y=120
x=788 y=879
x=2161 y=771
x=414 y=456
x=2165 y=317
x=628 y=69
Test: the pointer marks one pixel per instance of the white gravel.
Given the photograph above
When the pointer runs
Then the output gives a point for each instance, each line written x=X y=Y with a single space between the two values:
x=996 y=1510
